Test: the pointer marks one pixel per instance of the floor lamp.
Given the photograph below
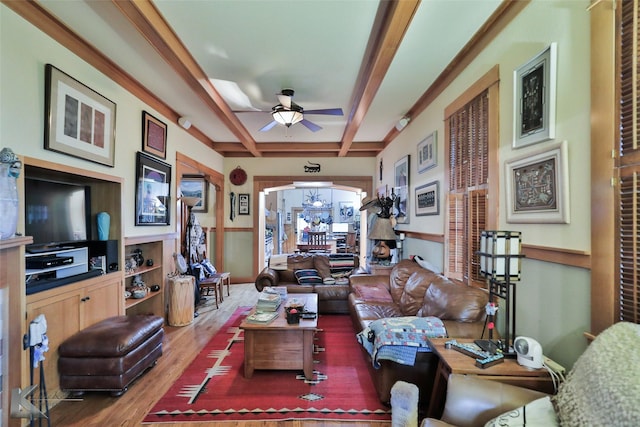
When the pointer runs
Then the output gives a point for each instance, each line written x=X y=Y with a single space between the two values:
x=500 y=259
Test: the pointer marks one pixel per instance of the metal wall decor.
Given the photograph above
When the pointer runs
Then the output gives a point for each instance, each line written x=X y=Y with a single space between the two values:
x=313 y=168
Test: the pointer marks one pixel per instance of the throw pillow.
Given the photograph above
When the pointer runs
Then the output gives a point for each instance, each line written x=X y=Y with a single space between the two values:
x=538 y=413
x=308 y=276
x=209 y=269
x=329 y=281
x=603 y=387
x=373 y=293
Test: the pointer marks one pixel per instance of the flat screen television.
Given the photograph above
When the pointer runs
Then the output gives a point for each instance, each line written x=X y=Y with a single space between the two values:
x=56 y=213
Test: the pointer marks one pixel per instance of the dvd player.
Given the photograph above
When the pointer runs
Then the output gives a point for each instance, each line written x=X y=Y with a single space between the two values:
x=48 y=261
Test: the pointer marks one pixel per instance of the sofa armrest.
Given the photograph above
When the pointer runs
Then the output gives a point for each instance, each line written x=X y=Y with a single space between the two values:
x=472 y=401
x=267 y=277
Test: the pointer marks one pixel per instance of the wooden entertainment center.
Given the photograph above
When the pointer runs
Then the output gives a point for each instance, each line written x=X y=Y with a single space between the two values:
x=81 y=301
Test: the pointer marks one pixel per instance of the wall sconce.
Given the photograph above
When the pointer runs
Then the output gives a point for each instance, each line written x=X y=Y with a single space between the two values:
x=182 y=121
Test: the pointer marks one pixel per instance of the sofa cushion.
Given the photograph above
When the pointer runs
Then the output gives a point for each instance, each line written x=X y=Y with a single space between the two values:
x=448 y=300
x=603 y=387
x=321 y=263
x=414 y=291
x=373 y=293
x=399 y=276
x=308 y=276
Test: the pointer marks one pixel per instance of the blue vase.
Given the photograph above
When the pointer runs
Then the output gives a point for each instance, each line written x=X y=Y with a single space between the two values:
x=104 y=221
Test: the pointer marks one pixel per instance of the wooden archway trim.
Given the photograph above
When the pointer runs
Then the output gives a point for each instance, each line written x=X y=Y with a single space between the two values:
x=186 y=165
x=260 y=183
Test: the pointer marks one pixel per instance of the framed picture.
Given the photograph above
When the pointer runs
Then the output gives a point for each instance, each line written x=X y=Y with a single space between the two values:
x=534 y=99
x=537 y=187
x=153 y=185
x=196 y=186
x=243 y=204
x=427 y=153
x=78 y=120
x=347 y=212
x=401 y=190
x=427 y=199
x=154 y=136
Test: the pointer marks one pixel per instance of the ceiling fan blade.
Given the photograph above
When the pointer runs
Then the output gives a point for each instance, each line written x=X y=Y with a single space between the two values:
x=268 y=126
x=311 y=126
x=285 y=100
x=326 y=111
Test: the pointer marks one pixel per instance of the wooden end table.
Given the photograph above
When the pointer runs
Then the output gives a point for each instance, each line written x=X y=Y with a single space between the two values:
x=453 y=362
x=279 y=345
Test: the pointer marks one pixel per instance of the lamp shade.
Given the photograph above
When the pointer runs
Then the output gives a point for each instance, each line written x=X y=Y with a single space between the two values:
x=382 y=230
x=190 y=201
x=497 y=248
x=287 y=117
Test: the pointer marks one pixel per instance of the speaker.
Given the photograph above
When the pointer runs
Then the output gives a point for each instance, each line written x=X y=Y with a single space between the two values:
x=529 y=352
x=107 y=249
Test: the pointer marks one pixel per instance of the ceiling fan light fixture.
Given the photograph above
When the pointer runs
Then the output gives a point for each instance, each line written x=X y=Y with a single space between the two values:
x=287 y=117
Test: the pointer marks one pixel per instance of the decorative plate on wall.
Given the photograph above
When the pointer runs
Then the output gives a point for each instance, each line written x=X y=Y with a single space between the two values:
x=238 y=176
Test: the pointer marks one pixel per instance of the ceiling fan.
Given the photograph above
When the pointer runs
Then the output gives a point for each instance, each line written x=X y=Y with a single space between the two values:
x=288 y=113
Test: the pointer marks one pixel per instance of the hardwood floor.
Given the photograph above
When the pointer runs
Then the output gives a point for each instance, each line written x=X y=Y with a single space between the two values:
x=180 y=346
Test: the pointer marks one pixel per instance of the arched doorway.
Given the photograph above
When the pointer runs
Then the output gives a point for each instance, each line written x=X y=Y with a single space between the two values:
x=360 y=184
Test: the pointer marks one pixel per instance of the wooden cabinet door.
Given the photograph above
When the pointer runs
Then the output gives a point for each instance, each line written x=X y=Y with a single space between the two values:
x=100 y=301
x=62 y=312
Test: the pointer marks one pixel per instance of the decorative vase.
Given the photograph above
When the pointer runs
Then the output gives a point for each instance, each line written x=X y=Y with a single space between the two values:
x=9 y=171
x=104 y=221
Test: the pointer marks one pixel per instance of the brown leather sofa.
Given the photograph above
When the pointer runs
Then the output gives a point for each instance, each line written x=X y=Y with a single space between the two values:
x=332 y=298
x=411 y=290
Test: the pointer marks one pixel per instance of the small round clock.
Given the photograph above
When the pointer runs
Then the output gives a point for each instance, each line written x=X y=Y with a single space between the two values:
x=238 y=176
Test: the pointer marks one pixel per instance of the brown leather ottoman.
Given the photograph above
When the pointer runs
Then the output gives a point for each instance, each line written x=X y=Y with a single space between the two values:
x=110 y=354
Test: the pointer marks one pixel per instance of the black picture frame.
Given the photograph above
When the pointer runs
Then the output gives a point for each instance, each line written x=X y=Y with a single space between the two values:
x=78 y=121
x=154 y=136
x=153 y=191
x=243 y=204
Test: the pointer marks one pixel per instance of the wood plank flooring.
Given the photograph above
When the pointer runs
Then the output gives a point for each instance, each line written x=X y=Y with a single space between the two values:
x=180 y=347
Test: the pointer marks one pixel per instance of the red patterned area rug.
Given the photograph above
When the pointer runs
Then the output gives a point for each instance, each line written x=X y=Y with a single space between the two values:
x=213 y=387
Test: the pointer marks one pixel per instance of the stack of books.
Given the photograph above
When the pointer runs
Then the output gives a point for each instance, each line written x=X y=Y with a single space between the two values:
x=268 y=302
x=262 y=317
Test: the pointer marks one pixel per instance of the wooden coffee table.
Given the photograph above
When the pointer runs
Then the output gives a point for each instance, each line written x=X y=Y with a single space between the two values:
x=279 y=345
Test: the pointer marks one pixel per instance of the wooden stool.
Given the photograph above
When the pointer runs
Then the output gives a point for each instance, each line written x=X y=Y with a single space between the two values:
x=216 y=283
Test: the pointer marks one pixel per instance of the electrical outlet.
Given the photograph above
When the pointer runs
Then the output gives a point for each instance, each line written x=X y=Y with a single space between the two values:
x=555 y=367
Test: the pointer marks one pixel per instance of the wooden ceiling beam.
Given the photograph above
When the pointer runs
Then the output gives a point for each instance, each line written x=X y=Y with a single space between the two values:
x=392 y=21
x=146 y=18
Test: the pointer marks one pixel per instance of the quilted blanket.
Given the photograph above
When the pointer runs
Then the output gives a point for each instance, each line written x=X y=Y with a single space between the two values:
x=399 y=339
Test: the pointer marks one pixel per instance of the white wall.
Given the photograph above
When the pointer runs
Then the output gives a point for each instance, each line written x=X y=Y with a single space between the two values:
x=553 y=302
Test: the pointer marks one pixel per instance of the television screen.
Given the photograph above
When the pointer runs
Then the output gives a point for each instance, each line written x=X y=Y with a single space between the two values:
x=56 y=212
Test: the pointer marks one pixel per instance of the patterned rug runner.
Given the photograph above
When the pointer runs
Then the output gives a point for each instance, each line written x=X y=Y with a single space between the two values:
x=213 y=387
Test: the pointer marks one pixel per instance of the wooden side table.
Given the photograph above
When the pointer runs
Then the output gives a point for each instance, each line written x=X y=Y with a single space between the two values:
x=453 y=362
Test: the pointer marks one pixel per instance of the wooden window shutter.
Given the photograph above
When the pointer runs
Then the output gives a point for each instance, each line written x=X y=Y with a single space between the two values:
x=628 y=210
x=468 y=172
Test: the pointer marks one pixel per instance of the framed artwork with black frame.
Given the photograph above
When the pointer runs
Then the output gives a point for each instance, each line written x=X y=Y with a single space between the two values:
x=537 y=187
x=427 y=199
x=153 y=186
x=154 y=136
x=78 y=121
x=243 y=204
x=196 y=186
x=401 y=190
x=534 y=99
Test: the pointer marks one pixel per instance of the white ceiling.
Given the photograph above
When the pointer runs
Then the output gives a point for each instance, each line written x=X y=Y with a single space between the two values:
x=259 y=47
